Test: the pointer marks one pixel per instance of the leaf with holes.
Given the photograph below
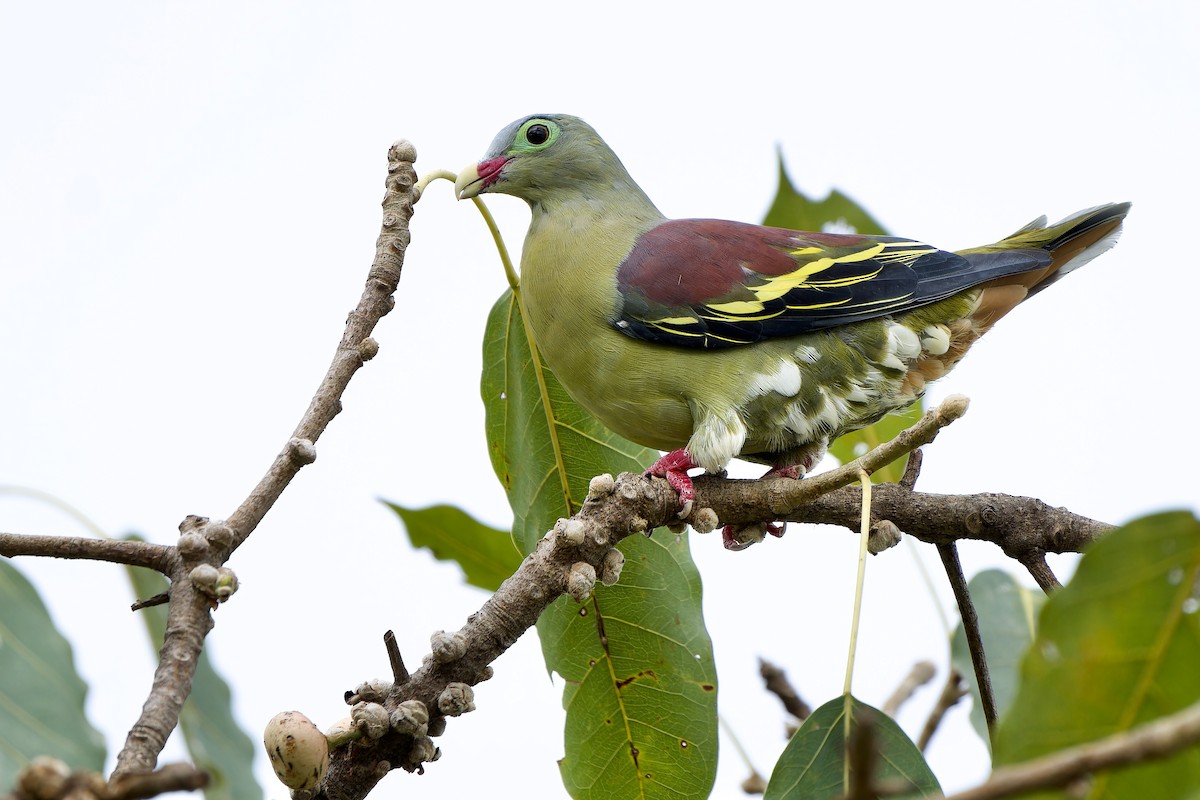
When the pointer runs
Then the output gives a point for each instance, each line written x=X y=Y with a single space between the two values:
x=1117 y=647
x=641 y=686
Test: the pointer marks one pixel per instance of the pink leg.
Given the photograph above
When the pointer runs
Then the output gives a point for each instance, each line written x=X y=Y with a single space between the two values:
x=674 y=466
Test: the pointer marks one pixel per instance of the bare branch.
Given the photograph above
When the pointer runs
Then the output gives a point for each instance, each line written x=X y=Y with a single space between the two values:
x=1035 y=562
x=399 y=671
x=777 y=683
x=1018 y=525
x=355 y=348
x=921 y=673
x=169 y=778
x=634 y=503
x=1156 y=739
x=953 y=691
x=118 y=551
x=189 y=616
x=970 y=620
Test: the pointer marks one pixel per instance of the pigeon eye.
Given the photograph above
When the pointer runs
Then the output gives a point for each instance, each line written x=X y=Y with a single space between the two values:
x=537 y=134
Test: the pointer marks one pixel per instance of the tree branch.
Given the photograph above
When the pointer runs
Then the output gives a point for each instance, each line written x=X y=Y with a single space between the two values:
x=1156 y=739
x=921 y=673
x=776 y=682
x=634 y=503
x=119 y=551
x=355 y=348
x=970 y=620
x=953 y=691
x=189 y=617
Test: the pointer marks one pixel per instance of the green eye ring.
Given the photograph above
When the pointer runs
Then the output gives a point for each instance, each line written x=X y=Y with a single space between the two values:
x=536 y=134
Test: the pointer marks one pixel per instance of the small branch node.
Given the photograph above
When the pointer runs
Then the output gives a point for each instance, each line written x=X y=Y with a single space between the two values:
x=581 y=580
x=411 y=718
x=372 y=691
x=302 y=451
x=610 y=568
x=368 y=348
x=600 y=487
x=704 y=520
x=456 y=699
x=402 y=150
x=371 y=718
x=447 y=647
x=884 y=535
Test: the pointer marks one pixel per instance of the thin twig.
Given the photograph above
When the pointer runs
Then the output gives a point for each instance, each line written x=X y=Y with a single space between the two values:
x=355 y=348
x=399 y=671
x=970 y=620
x=776 y=682
x=754 y=783
x=912 y=469
x=189 y=617
x=1035 y=562
x=953 y=691
x=116 y=551
x=169 y=778
x=157 y=600
x=1156 y=739
x=921 y=673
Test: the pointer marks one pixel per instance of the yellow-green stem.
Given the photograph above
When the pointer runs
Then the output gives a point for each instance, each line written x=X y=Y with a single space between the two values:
x=863 y=537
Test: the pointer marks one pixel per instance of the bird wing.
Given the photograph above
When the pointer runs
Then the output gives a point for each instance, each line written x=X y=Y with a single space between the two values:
x=707 y=283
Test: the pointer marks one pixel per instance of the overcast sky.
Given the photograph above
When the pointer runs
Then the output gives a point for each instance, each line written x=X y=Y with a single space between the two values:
x=189 y=199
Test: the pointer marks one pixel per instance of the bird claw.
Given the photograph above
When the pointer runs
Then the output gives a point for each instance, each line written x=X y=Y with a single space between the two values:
x=740 y=538
x=673 y=467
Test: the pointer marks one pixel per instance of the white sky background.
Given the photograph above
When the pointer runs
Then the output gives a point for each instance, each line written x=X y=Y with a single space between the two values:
x=189 y=199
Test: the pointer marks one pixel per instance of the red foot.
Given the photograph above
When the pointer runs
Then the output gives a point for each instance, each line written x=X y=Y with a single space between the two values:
x=674 y=466
x=741 y=538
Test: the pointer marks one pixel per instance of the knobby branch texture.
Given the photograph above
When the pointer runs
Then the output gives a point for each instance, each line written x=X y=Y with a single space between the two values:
x=572 y=556
x=635 y=504
x=189 y=617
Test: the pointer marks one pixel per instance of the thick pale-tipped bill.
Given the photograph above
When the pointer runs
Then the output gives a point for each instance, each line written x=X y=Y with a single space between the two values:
x=476 y=178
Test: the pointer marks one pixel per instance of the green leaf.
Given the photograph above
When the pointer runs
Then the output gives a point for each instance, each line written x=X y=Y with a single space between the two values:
x=813 y=764
x=41 y=694
x=854 y=444
x=792 y=209
x=1117 y=647
x=214 y=740
x=544 y=447
x=1007 y=614
x=640 y=679
x=645 y=634
x=837 y=212
x=487 y=555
